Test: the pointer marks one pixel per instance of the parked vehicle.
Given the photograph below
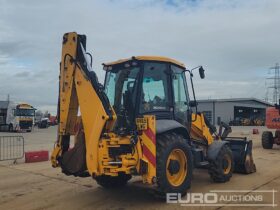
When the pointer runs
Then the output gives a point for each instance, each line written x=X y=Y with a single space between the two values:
x=16 y=117
x=132 y=126
x=272 y=122
x=44 y=123
x=52 y=120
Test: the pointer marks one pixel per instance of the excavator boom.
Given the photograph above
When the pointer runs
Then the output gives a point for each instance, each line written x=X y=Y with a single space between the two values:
x=79 y=89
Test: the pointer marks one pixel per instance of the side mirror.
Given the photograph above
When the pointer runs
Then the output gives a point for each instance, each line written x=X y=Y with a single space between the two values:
x=193 y=103
x=201 y=72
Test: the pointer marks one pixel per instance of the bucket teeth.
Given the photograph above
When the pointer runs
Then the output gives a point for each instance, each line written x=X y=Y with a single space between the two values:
x=250 y=166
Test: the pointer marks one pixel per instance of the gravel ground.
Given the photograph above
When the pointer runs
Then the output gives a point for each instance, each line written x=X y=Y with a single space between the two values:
x=39 y=186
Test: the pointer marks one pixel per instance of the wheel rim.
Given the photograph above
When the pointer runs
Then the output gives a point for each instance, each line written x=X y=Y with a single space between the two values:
x=227 y=164
x=177 y=178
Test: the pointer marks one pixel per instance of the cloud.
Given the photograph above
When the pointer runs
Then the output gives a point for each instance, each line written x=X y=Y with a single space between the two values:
x=24 y=74
x=10 y=47
x=236 y=41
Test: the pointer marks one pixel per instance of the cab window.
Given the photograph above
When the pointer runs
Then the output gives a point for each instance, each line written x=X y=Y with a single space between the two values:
x=155 y=88
x=181 y=97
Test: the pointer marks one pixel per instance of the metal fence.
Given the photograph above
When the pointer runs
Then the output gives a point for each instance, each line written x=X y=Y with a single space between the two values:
x=11 y=147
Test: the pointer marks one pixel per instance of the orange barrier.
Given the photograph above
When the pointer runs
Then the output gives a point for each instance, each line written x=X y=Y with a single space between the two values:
x=36 y=156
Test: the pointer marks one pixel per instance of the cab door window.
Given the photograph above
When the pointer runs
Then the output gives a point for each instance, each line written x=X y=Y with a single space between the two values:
x=181 y=98
x=155 y=88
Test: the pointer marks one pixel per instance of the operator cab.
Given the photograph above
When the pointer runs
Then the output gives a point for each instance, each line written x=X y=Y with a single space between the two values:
x=147 y=85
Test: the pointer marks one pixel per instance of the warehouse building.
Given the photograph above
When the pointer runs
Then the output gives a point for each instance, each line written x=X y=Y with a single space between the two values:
x=235 y=111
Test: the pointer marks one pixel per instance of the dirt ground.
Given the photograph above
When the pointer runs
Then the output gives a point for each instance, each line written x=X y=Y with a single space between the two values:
x=39 y=186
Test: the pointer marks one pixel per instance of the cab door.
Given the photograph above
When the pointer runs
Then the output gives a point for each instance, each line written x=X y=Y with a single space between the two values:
x=182 y=111
x=156 y=94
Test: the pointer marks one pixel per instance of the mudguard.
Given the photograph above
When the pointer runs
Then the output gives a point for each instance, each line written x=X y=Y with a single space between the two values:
x=214 y=148
x=163 y=126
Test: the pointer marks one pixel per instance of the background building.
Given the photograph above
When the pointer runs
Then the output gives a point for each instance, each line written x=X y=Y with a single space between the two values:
x=235 y=111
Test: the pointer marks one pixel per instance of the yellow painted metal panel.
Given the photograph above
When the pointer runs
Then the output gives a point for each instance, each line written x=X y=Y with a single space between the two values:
x=68 y=96
x=148 y=58
x=94 y=118
x=199 y=129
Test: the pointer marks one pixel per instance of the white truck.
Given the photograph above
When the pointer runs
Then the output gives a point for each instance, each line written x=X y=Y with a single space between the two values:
x=16 y=117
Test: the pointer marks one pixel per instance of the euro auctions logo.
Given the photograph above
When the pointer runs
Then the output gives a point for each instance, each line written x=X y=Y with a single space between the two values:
x=225 y=198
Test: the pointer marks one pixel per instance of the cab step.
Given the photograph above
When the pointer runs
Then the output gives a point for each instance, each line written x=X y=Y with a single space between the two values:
x=199 y=158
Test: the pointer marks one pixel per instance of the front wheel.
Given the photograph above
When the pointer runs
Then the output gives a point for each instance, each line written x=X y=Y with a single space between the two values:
x=174 y=164
x=221 y=169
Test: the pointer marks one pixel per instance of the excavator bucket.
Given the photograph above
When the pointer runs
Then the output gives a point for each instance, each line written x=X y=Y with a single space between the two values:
x=242 y=154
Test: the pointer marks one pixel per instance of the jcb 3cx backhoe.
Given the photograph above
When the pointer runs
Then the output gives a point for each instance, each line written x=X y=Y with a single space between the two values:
x=139 y=123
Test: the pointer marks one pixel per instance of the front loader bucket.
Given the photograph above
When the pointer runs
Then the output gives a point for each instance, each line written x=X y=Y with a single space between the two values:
x=242 y=154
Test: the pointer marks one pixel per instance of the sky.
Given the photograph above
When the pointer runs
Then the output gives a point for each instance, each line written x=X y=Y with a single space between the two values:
x=236 y=41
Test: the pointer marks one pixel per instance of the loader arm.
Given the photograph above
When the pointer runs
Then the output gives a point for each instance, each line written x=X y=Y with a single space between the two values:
x=79 y=90
x=202 y=129
x=203 y=132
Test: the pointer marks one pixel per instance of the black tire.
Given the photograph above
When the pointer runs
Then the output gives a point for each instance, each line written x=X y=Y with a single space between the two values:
x=267 y=140
x=166 y=143
x=221 y=169
x=113 y=181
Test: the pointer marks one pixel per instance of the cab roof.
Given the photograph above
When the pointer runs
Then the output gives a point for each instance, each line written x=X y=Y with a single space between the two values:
x=25 y=106
x=147 y=58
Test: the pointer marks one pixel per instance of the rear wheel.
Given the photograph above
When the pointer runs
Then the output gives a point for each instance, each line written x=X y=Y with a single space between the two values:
x=174 y=164
x=267 y=140
x=221 y=168
x=113 y=181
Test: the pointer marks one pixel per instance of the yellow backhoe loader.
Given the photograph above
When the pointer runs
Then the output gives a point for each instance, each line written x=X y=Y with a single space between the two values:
x=138 y=123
